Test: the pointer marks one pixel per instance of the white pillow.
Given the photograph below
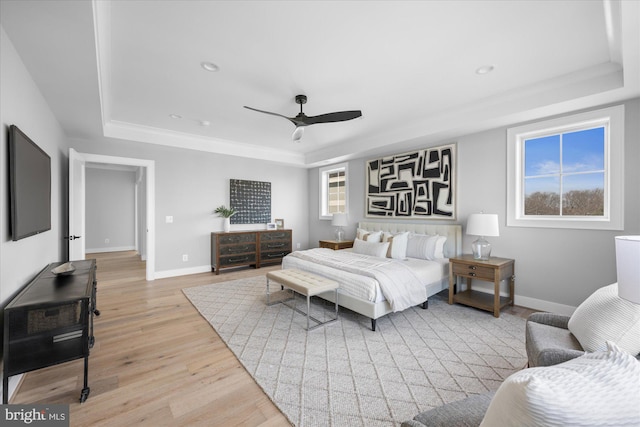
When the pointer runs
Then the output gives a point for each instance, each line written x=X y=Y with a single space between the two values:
x=424 y=246
x=596 y=389
x=376 y=249
x=369 y=236
x=397 y=244
x=604 y=316
x=438 y=253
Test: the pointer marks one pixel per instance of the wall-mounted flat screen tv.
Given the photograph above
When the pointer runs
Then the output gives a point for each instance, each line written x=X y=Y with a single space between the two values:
x=29 y=186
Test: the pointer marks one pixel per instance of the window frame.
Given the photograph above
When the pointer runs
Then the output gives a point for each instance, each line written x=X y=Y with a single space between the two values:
x=612 y=118
x=323 y=177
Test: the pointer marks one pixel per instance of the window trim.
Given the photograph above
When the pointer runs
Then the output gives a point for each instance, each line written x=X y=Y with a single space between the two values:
x=323 y=206
x=613 y=119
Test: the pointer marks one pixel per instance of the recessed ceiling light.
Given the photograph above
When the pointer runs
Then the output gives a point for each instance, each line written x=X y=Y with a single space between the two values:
x=209 y=66
x=175 y=116
x=485 y=69
x=205 y=122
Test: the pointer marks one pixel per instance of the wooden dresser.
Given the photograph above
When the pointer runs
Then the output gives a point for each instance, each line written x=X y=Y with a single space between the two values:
x=256 y=248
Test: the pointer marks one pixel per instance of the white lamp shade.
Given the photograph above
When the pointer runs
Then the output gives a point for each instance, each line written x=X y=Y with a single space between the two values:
x=339 y=220
x=628 y=267
x=483 y=225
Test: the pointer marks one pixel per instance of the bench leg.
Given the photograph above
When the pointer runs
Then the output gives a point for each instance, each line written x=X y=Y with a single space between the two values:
x=308 y=310
x=268 y=302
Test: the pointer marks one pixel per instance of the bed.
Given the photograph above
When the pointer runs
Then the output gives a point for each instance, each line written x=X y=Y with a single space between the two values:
x=356 y=288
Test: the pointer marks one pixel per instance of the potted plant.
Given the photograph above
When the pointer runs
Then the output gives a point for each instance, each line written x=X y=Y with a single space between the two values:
x=225 y=213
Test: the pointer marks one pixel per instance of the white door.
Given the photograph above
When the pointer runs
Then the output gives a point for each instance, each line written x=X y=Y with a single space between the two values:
x=76 y=205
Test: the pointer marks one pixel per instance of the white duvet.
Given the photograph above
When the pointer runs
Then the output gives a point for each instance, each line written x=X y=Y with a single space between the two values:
x=362 y=275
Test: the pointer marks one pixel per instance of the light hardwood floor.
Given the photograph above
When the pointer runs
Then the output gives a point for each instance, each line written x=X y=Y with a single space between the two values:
x=156 y=361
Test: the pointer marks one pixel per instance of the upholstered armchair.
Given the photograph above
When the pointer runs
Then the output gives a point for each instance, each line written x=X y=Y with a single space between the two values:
x=549 y=341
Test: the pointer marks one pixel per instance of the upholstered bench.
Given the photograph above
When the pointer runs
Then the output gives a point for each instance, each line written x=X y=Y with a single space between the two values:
x=306 y=284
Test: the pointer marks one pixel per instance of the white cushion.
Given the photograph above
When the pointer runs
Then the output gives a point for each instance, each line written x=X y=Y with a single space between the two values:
x=369 y=236
x=377 y=249
x=604 y=316
x=397 y=244
x=597 y=389
x=424 y=246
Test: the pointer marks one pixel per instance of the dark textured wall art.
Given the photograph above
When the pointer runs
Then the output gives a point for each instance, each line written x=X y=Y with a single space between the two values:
x=417 y=184
x=252 y=201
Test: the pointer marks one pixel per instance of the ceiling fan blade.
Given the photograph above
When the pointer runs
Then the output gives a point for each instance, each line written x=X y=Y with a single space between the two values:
x=297 y=134
x=340 y=116
x=268 y=112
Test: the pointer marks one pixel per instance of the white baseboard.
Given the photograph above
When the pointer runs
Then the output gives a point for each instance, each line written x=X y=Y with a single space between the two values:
x=528 y=302
x=113 y=249
x=182 y=271
x=533 y=303
x=542 y=305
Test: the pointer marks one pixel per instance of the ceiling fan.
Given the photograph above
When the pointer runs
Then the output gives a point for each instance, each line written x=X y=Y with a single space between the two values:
x=302 y=120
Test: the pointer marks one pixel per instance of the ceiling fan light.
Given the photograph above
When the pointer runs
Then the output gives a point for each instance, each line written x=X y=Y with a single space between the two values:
x=210 y=66
x=485 y=69
x=297 y=134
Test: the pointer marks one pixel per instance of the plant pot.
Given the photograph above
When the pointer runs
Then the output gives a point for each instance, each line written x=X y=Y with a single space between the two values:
x=227 y=225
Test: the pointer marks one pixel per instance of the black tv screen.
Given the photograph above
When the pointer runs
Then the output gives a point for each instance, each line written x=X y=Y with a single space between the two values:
x=30 y=186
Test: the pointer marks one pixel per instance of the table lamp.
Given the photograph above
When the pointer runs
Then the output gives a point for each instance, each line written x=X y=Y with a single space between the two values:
x=482 y=225
x=628 y=267
x=339 y=220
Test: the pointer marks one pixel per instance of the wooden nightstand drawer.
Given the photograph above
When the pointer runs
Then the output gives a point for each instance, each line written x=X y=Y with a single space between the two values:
x=475 y=271
x=336 y=245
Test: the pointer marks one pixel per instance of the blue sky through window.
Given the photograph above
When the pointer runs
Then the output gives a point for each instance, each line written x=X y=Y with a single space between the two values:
x=581 y=154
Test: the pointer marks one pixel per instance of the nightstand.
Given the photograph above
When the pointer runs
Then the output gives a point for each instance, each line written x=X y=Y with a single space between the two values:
x=493 y=270
x=335 y=245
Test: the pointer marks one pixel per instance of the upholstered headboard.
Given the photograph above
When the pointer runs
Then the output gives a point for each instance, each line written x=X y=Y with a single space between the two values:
x=452 y=247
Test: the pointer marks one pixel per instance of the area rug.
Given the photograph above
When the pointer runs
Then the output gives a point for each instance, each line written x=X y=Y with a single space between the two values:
x=344 y=373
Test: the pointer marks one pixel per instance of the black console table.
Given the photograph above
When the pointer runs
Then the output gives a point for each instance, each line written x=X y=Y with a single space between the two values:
x=50 y=322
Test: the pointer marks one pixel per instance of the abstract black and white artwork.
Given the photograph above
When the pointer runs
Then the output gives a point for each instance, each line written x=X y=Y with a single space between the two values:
x=251 y=200
x=417 y=184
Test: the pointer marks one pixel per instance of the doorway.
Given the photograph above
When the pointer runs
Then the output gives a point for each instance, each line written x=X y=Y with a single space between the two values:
x=78 y=163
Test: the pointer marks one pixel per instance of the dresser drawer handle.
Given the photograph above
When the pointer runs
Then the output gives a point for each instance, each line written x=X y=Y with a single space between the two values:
x=238 y=259
x=472 y=274
x=239 y=249
x=472 y=267
x=275 y=245
x=280 y=255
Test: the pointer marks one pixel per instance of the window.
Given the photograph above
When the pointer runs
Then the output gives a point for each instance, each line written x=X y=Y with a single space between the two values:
x=567 y=172
x=333 y=190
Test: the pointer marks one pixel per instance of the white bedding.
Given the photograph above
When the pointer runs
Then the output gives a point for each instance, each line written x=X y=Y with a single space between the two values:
x=412 y=274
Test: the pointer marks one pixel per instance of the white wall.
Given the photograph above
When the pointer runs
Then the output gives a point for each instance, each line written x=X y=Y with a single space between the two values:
x=191 y=184
x=22 y=104
x=555 y=269
x=110 y=210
